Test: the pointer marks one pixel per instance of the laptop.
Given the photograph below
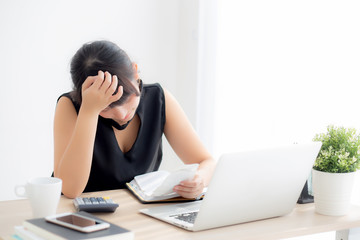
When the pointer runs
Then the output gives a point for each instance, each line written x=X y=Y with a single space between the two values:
x=246 y=186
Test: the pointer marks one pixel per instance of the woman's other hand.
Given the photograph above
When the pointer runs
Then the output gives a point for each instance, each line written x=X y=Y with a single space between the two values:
x=98 y=91
x=190 y=188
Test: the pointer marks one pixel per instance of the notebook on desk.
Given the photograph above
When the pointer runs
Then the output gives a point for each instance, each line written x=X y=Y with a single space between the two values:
x=246 y=186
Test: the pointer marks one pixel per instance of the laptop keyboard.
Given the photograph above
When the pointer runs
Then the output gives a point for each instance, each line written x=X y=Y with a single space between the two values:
x=186 y=217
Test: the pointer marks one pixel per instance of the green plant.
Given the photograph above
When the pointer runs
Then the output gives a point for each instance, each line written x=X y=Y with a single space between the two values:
x=340 y=150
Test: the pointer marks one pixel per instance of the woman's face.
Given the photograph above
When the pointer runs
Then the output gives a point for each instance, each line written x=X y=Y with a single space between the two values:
x=123 y=113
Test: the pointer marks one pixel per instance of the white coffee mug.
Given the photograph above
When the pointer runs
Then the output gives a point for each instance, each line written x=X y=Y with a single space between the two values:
x=44 y=195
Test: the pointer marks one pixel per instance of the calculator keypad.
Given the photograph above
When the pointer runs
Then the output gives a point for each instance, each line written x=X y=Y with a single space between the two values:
x=95 y=204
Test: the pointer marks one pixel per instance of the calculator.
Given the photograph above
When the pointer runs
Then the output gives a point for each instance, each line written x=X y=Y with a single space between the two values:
x=95 y=204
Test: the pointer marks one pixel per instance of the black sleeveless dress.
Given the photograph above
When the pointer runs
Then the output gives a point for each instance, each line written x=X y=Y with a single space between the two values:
x=111 y=168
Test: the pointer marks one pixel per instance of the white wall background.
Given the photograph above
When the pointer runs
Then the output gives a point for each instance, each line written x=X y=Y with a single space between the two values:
x=285 y=71
x=38 y=39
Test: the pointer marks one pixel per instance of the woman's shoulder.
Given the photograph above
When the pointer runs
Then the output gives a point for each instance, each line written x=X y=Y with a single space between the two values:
x=69 y=96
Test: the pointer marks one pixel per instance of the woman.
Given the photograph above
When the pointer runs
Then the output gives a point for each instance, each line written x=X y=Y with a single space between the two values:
x=109 y=128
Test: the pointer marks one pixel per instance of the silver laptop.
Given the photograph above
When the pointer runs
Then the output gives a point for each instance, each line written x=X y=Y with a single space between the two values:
x=246 y=186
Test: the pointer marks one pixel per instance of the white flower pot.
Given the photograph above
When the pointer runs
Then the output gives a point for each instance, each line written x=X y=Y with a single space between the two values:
x=332 y=192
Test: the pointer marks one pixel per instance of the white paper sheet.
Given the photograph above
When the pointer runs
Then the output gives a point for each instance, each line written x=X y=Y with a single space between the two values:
x=174 y=178
x=161 y=183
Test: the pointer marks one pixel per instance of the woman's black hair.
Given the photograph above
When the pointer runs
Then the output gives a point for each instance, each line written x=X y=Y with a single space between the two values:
x=104 y=56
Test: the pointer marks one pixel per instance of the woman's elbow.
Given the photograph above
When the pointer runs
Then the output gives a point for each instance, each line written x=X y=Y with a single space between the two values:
x=70 y=193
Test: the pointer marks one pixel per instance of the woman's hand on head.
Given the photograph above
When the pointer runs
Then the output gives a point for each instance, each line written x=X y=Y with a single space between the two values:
x=98 y=91
x=190 y=188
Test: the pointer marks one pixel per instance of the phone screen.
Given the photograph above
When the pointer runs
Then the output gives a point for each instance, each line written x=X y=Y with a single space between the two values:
x=77 y=221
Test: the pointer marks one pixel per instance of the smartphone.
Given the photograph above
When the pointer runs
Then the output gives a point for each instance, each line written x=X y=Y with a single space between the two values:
x=78 y=222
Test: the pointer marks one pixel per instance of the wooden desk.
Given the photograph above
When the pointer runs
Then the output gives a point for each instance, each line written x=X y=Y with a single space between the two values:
x=302 y=221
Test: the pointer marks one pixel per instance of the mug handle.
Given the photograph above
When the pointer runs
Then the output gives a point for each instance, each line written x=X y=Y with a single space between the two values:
x=20 y=194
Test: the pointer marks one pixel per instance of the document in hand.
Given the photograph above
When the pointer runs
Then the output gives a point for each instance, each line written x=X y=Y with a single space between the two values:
x=158 y=186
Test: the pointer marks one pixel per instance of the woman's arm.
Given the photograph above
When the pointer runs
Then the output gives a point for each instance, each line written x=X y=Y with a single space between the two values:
x=74 y=134
x=187 y=145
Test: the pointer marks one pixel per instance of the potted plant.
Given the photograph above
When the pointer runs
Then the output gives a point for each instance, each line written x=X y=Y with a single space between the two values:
x=334 y=170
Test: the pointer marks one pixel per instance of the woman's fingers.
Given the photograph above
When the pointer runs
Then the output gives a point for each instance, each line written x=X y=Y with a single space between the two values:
x=189 y=193
x=106 y=83
x=99 y=91
x=94 y=81
x=110 y=85
x=111 y=91
x=98 y=80
x=190 y=188
x=101 y=74
x=118 y=95
x=88 y=82
x=187 y=188
x=113 y=86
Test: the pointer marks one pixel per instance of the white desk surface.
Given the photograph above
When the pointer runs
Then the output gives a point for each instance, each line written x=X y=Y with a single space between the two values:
x=301 y=221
